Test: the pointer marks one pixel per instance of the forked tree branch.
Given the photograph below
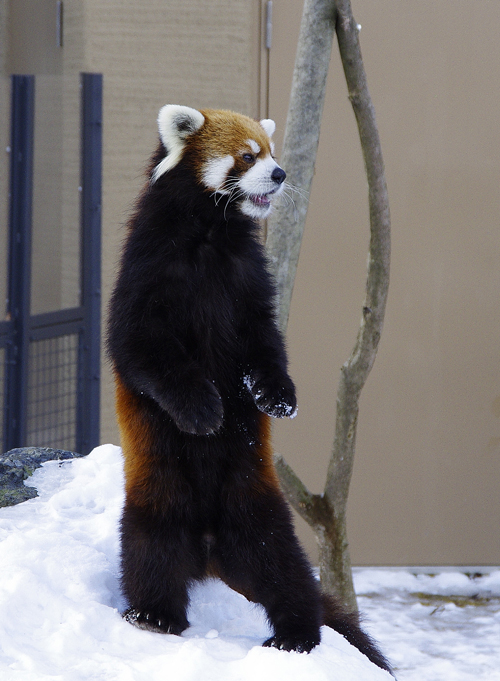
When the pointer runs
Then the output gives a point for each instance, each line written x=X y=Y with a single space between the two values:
x=355 y=371
x=326 y=513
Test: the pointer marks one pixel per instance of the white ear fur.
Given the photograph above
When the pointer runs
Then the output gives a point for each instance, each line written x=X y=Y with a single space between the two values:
x=175 y=123
x=269 y=126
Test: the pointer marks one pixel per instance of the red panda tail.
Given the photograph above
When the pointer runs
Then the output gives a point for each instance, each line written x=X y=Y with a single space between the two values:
x=348 y=624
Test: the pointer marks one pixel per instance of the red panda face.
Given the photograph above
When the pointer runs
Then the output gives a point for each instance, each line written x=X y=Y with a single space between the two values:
x=232 y=155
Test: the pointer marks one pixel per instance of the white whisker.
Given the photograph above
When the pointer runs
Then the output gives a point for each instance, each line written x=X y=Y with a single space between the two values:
x=297 y=190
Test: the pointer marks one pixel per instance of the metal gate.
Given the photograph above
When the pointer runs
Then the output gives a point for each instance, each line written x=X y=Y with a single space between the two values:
x=50 y=362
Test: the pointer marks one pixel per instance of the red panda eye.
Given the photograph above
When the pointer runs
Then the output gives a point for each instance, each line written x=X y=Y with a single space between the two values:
x=248 y=158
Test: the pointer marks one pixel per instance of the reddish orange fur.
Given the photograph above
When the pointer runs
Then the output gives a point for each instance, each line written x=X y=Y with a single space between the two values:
x=226 y=133
x=136 y=441
x=267 y=477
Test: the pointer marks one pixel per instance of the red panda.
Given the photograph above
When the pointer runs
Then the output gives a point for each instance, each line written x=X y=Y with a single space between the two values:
x=200 y=368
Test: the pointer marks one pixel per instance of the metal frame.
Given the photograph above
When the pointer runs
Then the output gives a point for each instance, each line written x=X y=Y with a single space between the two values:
x=90 y=222
x=19 y=270
x=20 y=329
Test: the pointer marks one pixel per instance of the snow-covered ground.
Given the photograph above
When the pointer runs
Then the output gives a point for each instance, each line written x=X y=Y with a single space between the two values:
x=444 y=627
x=60 y=605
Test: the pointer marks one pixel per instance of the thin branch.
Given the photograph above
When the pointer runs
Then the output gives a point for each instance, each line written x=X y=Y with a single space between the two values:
x=297 y=494
x=355 y=371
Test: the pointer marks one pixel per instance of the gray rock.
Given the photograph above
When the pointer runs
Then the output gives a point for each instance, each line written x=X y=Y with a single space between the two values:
x=18 y=464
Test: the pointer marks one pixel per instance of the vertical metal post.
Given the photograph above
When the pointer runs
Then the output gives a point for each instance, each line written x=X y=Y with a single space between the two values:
x=90 y=216
x=59 y=23
x=19 y=290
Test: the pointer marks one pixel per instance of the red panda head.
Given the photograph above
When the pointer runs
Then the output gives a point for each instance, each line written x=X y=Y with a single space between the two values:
x=232 y=155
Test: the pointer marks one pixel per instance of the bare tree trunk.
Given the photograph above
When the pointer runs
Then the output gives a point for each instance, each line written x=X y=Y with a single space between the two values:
x=326 y=513
x=300 y=144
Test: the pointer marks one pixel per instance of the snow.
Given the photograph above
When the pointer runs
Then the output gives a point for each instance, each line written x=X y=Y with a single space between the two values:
x=60 y=606
x=442 y=627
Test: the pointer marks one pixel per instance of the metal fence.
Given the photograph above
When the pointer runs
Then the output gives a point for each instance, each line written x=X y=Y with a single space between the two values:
x=50 y=362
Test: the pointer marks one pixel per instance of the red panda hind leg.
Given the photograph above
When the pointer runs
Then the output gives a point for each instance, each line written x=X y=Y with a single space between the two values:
x=156 y=561
x=257 y=553
x=159 y=551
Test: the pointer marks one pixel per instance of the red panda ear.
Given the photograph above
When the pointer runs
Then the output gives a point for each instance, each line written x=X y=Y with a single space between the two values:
x=269 y=126
x=175 y=124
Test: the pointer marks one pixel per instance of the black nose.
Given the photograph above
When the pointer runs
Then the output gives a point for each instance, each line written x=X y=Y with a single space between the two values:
x=278 y=175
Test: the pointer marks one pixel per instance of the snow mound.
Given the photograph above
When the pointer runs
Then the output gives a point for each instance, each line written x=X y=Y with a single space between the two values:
x=60 y=601
x=442 y=583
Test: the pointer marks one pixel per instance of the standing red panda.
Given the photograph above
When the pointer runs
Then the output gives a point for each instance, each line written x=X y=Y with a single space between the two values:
x=200 y=368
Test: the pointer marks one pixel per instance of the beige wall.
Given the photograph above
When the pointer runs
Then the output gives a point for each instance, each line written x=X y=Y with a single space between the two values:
x=426 y=482
x=31 y=48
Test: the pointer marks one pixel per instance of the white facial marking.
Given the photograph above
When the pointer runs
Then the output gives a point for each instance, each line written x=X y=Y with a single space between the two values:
x=258 y=180
x=175 y=123
x=254 y=146
x=259 y=188
x=273 y=148
x=269 y=126
x=248 y=207
x=215 y=173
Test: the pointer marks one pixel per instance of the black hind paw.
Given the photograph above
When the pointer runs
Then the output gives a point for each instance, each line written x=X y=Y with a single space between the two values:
x=299 y=644
x=153 y=622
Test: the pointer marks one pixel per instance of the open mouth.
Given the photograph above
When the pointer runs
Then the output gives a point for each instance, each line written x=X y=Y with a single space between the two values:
x=261 y=200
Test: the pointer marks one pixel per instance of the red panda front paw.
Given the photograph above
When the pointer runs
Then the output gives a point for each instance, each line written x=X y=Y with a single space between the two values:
x=274 y=397
x=200 y=411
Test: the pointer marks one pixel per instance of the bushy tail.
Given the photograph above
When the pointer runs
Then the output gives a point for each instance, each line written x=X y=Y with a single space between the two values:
x=348 y=624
